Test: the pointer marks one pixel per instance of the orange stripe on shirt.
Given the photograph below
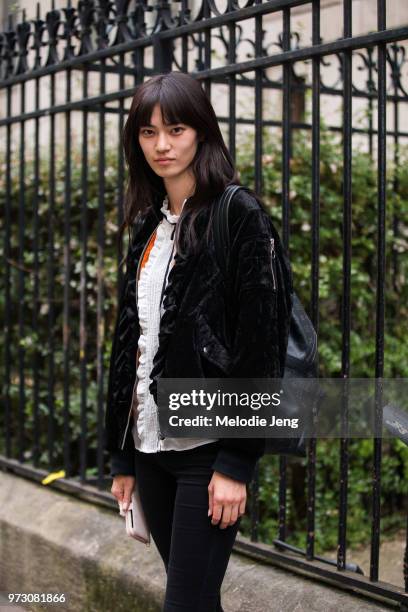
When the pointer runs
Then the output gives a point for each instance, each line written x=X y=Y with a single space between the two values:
x=148 y=249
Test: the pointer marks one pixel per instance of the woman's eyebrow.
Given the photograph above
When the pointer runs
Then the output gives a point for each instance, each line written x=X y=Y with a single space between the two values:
x=167 y=124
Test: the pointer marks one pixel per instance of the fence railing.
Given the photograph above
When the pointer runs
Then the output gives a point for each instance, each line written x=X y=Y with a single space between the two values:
x=69 y=75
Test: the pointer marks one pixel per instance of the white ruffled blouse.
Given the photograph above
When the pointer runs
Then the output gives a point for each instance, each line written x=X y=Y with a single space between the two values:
x=145 y=428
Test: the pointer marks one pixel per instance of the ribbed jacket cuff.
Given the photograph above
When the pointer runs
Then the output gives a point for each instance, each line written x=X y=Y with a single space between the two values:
x=235 y=464
x=122 y=462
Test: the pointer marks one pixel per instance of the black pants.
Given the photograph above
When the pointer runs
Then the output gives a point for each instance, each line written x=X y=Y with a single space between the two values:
x=173 y=489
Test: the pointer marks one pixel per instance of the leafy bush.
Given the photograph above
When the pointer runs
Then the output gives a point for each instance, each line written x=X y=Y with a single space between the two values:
x=394 y=468
x=36 y=342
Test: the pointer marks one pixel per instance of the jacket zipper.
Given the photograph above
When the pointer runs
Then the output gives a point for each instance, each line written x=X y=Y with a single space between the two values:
x=137 y=355
x=273 y=255
x=131 y=403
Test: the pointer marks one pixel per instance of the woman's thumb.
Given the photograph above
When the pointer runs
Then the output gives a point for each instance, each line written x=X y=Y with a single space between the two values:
x=210 y=501
x=126 y=499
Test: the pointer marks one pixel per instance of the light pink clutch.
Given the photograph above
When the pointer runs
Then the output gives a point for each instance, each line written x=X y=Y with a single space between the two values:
x=135 y=520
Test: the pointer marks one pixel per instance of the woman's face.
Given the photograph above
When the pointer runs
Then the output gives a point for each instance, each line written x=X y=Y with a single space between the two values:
x=177 y=142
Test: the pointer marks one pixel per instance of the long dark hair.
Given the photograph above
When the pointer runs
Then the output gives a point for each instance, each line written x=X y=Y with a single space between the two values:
x=182 y=100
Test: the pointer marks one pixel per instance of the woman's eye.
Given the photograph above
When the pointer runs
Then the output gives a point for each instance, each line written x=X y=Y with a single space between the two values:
x=147 y=132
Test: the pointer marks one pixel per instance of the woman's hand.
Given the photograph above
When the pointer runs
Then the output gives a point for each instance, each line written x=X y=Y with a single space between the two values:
x=122 y=489
x=226 y=497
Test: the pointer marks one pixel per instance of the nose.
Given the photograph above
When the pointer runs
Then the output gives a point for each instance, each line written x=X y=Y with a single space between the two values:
x=162 y=144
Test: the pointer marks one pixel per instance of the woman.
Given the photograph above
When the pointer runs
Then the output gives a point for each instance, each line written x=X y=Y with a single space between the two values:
x=188 y=325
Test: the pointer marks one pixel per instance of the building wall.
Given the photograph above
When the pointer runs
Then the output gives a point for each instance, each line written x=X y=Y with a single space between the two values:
x=364 y=20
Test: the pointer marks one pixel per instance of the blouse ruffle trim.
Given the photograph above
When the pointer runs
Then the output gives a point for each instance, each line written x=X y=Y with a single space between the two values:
x=142 y=389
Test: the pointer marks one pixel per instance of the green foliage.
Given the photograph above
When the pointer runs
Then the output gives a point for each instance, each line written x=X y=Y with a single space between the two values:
x=394 y=488
x=364 y=243
x=363 y=272
x=33 y=344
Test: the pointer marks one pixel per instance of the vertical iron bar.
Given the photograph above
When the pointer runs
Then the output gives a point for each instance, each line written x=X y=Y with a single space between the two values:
x=286 y=129
x=184 y=39
x=370 y=103
x=21 y=282
x=315 y=223
x=207 y=49
x=396 y=184
x=163 y=54
x=380 y=305
x=36 y=284
x=258 y=106
x=138 y=54
x=258 y=189
x=83 y=356
x=37 y=357
x=395 y=267
x=405 y=571
x=232 y=90
x=121 y=168
x=286 y=138
x=315 y=166
x=66 y=341
x=346 y=304
x=254 y=509
x=7 y=285
x=100 y=333
x=51 y=276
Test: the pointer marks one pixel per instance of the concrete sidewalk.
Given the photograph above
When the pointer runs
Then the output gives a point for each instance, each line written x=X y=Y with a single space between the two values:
x=52 y=542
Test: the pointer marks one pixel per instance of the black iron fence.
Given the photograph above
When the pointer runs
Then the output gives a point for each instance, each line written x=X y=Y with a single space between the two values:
x=66 y=78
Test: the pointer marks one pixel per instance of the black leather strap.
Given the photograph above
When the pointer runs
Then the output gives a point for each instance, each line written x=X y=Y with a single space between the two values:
x=221 y=227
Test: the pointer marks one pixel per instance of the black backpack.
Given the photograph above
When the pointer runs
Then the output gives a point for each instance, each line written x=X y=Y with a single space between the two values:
x=301 y=355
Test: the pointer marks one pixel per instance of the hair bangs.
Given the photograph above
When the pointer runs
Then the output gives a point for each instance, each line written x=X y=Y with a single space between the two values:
x=174 y=106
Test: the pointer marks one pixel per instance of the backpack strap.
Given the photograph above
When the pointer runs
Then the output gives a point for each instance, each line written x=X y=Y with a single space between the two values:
x=221 y=227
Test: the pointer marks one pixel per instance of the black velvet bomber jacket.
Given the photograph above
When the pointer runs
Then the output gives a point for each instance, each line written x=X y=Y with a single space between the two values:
x=205 y=330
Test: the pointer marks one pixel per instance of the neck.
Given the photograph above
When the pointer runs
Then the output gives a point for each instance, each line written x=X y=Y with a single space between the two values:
x=178 y=192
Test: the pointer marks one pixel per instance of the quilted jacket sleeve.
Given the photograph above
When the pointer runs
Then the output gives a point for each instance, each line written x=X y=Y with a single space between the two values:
x=263 y=307
x=121 y=461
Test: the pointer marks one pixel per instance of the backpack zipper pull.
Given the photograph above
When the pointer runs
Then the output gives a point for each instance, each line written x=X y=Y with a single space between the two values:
x=273 y=255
